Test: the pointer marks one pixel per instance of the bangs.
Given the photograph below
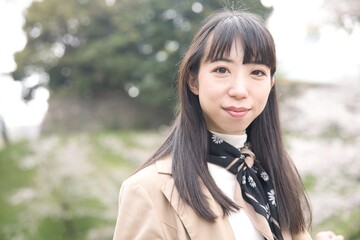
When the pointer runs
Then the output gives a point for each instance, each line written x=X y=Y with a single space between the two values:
x=256 y=41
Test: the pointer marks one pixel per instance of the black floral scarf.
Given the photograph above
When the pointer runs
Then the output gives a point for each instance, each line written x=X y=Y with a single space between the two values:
x=255 y=184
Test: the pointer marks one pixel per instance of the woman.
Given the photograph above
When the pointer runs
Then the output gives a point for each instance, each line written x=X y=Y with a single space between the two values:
x=204 y=182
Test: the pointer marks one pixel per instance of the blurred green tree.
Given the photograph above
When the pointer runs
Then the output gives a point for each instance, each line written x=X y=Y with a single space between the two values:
x=131 y=46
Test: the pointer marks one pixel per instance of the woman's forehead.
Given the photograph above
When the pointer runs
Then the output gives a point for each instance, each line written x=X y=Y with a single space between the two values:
x=250 y=50
x=220 y=48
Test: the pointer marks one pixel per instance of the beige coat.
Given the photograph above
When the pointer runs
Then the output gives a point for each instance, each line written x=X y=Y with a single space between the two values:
x=149 y=209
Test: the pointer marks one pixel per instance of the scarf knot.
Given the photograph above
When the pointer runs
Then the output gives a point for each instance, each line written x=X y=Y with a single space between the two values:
x=246 y=159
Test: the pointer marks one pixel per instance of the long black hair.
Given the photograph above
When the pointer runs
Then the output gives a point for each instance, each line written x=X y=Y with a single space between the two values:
x=187 y=140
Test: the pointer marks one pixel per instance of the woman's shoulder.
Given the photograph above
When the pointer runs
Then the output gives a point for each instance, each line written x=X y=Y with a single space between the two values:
x=151 y=176
x=304 y=235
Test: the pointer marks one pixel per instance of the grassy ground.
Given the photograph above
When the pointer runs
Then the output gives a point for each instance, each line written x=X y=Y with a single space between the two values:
x=66 y=186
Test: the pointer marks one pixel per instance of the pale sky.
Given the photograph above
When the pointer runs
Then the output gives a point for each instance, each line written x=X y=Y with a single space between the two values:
x=12 y=38
x=309 y=48
x=15 y=112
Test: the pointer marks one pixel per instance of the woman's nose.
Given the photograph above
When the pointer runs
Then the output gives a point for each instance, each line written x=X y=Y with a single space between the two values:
x=238 y=88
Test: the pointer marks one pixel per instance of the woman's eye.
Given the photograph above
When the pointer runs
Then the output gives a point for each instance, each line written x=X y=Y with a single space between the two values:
x=258 y=73
x=221 y=70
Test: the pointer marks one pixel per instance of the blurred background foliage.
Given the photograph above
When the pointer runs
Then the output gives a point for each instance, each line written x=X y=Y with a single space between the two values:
x=92 y=46
x=91 y=49
x=111 y=67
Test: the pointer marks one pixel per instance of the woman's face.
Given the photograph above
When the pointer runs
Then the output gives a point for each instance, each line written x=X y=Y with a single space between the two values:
x=231 y=94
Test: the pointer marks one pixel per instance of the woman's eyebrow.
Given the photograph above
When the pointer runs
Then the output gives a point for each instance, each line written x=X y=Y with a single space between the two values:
x=221 y=59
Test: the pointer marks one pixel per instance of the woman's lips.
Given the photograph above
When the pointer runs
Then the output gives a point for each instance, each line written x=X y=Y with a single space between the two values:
x=237 y=112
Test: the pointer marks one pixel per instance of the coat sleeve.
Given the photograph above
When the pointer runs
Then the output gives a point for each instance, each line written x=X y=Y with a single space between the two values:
x=137 y=217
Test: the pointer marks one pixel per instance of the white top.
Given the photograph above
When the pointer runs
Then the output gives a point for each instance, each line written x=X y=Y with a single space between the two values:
x=226 y=181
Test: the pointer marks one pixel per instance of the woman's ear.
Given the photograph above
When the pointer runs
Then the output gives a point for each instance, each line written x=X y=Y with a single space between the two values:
x=193 y=85
x=272 y=81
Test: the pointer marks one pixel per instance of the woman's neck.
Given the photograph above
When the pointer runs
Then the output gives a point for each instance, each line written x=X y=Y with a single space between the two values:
x=237 y=141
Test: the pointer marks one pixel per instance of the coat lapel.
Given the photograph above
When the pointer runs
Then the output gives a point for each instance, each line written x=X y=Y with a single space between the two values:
x=196 y=227
x=257 y=220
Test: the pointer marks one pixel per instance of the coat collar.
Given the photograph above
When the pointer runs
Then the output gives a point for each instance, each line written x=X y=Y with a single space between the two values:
x=164 y=166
